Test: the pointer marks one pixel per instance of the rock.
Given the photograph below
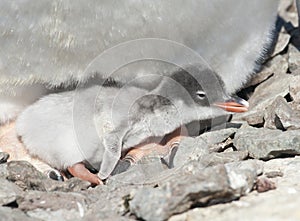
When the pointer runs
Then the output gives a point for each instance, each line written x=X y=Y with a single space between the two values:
x=108 y=201
x=263 y=96
x=278 y=65
x=9 y=192
x=223 y=158
x=25 y=175
x=275 y=205
x=28 y=177
x=264 y=184
x=279 y=115
x=272 y=174
x=42 y=204
x=181 y=192
x=263 y=143
x=294 y=58
x=215 y=139
x=9 y=214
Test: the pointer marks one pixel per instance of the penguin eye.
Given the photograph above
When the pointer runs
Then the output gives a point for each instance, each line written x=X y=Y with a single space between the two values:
x=201 y=94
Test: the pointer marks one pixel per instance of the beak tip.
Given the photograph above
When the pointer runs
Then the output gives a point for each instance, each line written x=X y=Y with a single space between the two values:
x=237 y=105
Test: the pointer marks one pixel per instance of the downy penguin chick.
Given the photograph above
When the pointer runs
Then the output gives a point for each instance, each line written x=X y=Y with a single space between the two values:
x=94 y=126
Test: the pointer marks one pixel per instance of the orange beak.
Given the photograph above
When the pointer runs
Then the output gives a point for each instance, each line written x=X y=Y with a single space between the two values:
x=237 y=105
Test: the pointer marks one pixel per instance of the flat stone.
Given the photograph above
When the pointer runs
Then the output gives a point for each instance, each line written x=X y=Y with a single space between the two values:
x=279 y=115
x=202 y=188
x=25 y=175
x=108 y=201
x=277 y=65
x=52 y=201
x=9 y=192
x=223 y=158
x=282 y=42
x=28 y=177
x=215 y=139
x=275 y=205
x=263 y=96
x=263 y=143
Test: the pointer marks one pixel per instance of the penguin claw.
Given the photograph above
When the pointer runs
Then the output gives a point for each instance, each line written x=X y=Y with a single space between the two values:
x=3 y=157
x=55 y=175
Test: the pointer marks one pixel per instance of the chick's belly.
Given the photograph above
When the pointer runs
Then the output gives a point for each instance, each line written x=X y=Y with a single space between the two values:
x=11 y=144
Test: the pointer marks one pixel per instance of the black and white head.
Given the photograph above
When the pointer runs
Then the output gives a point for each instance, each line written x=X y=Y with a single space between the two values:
x=200 y=87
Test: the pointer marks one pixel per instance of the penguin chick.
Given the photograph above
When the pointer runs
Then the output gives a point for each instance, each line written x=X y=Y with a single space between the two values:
x=95 y=125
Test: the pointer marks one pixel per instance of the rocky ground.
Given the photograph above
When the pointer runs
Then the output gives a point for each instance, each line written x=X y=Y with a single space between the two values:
x=246 y=169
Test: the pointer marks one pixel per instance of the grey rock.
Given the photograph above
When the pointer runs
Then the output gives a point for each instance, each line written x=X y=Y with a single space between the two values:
x=279 y=115
x=276 y=205
x=9 y=214
x=215 y=139
x=109 y=201
x=277 y=65
x=71 y=185
x=180 y=193
x=270 y=89
x=223 y=158
x=25 y=175
x=263 y=96
x=53 y=201
x=28 y=177
x=263 y=143
x=282 y=42
x=294 y=58
x=9 y=192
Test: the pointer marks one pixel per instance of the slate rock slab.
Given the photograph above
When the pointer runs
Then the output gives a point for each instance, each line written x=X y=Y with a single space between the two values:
x=53 y=205
x=9 y=192
x=279 y=115
x=263 y=143
x=199 y=188
x=278 y=65
x=263 y=96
